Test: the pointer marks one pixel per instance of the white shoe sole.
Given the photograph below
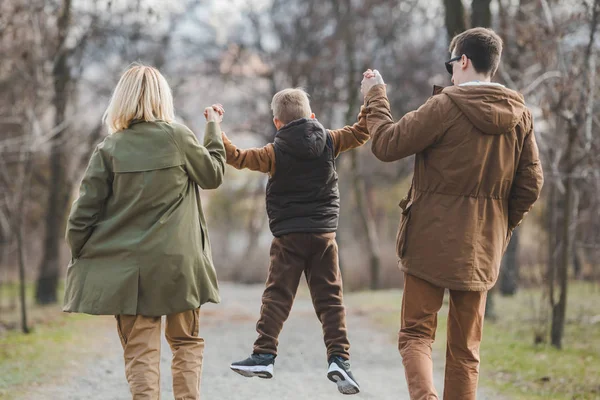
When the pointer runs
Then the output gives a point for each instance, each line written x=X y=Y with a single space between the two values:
x=262 y=371
x=345 y=384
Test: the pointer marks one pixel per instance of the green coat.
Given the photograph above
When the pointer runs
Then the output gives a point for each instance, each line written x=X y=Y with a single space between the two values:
x=137 y=233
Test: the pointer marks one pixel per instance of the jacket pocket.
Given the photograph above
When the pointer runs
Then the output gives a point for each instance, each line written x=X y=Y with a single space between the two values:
x=402 y=228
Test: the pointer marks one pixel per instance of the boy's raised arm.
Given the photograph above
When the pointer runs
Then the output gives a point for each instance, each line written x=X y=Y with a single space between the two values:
x=256 y=159
x=350 y=137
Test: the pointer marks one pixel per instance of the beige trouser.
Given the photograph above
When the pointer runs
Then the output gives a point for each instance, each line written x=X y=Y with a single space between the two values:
x=140 y=337
x=421 y=302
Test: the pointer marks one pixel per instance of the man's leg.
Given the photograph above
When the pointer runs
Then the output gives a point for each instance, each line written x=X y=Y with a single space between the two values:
x=325 y=283
x=421 y=302
x=140 y=338
x=287 y=263
x=188 y=349
x=465 y=328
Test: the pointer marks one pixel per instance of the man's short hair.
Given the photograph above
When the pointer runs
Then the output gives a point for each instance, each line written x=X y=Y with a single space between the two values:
x=482 y=46
x=291 y=104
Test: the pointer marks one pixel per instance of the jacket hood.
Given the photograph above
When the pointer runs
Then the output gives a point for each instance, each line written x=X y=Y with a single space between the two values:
x=493 y=109
x=304 y=138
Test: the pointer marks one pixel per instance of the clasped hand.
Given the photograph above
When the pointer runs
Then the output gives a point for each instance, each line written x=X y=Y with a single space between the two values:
x=370 y=79
x=214 y=113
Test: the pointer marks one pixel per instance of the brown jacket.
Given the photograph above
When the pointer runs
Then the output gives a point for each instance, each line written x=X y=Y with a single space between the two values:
x=263 y=159
x=477 y=173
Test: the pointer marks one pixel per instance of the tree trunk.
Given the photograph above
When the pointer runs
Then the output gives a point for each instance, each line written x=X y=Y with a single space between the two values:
x=481 y=14
x=455 y=18
x=509 y=273
x=22 y=283
x=58 y=201
x=551 y=230
x=366 y=219
x=559 y=309
x=490 y=306
x=19 y=220
x=577 y=265
x=253 y=230
x=367 y=223
x=4 y=242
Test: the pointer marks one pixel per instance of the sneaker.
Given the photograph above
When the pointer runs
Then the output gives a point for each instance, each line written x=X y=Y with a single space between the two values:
x=339 y=373
x=260 y=365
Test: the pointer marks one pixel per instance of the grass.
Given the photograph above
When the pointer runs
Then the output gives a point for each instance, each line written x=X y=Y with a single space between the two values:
x=56 y=339
x=512 y=364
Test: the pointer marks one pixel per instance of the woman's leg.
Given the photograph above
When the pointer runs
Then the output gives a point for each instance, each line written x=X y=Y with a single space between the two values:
x=188 y=349
x=140 y=337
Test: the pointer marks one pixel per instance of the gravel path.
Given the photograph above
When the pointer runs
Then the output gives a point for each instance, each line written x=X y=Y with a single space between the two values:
x=229 y=332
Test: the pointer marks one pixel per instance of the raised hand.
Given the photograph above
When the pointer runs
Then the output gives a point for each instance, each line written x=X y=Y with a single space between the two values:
x=370 y=79
x=214 y=113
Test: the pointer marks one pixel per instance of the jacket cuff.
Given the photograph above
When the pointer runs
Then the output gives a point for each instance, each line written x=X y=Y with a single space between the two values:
x=375 y=91
x=213 y=127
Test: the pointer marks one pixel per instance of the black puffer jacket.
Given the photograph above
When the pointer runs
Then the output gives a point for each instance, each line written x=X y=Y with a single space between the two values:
x=303 y=195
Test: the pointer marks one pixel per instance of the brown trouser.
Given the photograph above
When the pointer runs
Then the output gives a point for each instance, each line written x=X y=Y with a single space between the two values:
x=140 y=337
x=315 y=254
x=421 y=302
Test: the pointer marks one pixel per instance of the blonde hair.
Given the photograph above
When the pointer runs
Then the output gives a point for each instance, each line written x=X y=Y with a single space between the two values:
x=141 y=94
x=291 y=104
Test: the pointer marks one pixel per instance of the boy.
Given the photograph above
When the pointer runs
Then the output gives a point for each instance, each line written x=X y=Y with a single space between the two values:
x=303 y=207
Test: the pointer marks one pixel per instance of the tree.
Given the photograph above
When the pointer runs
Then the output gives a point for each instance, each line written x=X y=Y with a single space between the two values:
x=481 y=15
x=349 y=25
x=557 y=43
x=57 y=208
x=15 y=178
x=509 y=268
x=455 y=17
x=98 y=26
x=25 y=95
x=577 y=113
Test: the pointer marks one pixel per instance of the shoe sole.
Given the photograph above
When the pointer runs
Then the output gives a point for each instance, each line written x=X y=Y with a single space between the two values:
x=345 y=384
x=261 y=371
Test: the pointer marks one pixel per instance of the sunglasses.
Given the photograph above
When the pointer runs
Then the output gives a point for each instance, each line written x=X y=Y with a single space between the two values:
x=450 y=61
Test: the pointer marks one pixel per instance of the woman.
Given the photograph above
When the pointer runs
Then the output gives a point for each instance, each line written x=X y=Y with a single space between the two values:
x=138 y=236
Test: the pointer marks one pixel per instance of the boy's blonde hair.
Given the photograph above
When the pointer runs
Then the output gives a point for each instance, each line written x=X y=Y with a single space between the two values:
x=291 y=104
x=141 y=94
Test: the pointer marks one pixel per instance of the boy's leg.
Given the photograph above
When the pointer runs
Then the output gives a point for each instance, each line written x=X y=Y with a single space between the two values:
x=288 y=257
x=421 y=302
x=325 y=283
x=140 y=338
x=181 y=332
x=465 y=328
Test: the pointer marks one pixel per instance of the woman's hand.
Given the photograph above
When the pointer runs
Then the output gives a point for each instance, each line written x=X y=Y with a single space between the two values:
x=214 y=113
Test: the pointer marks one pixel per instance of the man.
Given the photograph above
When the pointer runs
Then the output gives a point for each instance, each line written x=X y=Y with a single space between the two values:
x=477 y=173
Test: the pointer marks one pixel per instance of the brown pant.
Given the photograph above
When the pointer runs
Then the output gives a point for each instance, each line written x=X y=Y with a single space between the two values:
x=421 y=302
x=140 y=337
x=315 y=254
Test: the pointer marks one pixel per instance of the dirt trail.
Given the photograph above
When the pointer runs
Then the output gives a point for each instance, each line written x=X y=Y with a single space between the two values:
x=229 y=332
